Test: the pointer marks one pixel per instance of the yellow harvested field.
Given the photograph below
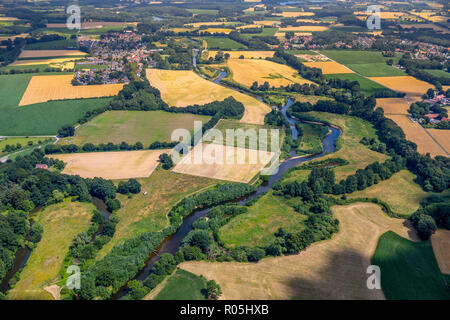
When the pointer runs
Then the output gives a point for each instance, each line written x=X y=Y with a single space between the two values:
x=246 y=54
x=199 y=24
x=415 y=133
x=46 y=88
x=50 y=53
x=179 y=30
x=329 y=67
x=383 y=14
x=247 y=26
x=304 y=28
x=413 y=87
x=430 y=15
x=248 y=71
x=292 y=14
x=183 y=88
x=442 y=137
x=425 y=26
x=393 y=105
x=330 y=269
x=111 y=165
x=42 y=61
x=216 y=30
x=441 y=247
x=267 y=23
x=8 y=19
x=223 y=162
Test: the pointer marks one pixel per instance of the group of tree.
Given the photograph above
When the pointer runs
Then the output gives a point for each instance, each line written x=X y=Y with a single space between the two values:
x=434 y=213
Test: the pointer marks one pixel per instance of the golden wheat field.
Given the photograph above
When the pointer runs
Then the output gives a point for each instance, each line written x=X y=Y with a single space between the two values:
x=393 y=105
x=329 y=67
x=50 y=53
x=46 y=88
x=304 y=28
x=413 y=87
x=216 y=30
x=112 y=165
x=184 y=88
x=330 y=269
x=383 y=14
x=246 y=54
x=441 y=247
x=415 y=133
x=43 y=61
x=224 y=162
x=267 y=23
x=248 y=71
x=292 y=14
x=442 y=137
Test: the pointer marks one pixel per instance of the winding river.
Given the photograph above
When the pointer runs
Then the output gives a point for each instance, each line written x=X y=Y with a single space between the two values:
x=172 y=243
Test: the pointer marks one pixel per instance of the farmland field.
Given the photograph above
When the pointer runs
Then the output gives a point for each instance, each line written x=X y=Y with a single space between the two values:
x=224 y=162
x=330 y=269
x=400 y=192
x=38 y=119
x=303 y=29
x=248 y=71
x=329 y=67
x=133 y=126
x=23 y=141
x=290 y=14
x=246 y=54
x=376 y=70
x=347 y=57
x=409 y=269
x=49 y=53
x=148 y=212
x=415 y=133
x=442 y=137
x=413 y=87
x=368 y=87
x=258 y=225
x=393 y=105
x=222 y=43
x=216 y=30
x=53 y=45
x=182 y=285
x=184 y=88
x=46 y=88
x=438 y=73
x=111 y=165
x=61 y=222
x=441 y=248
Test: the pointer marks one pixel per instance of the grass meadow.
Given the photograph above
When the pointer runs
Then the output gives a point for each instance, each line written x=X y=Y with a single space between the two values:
x=409 y=270
x=368 y=87
x=258 y=225
x=183 y=285
x=133 y=126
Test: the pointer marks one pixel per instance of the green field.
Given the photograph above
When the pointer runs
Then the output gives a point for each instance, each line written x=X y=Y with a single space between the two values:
x=438 y=73
x=133 y=126
x=183 y=285
x=366 y=63
x=311 y=141
x=355 y=56
x=52 y=45
x=266 y=32
x=376 y=70
x=368 y=87
x=258 y=225
x=211 y=12
x=223 y=43
x=409 y=270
